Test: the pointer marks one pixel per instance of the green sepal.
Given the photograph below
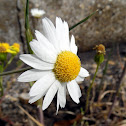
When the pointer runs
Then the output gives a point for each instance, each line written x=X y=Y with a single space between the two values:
x=3 y=57
x=99 y=58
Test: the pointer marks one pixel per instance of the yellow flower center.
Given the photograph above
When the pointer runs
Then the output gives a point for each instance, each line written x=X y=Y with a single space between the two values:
x=67 y=66
x=2 y=49
x=14 y=49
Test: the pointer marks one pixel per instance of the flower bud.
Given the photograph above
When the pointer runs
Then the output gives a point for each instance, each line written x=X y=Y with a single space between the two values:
x=100 y=49
x=100 y=52
x=99 y=58
x=14 y=49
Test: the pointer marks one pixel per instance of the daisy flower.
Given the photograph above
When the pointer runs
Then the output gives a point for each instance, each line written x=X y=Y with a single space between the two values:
x=35 y=12
x=56 y=66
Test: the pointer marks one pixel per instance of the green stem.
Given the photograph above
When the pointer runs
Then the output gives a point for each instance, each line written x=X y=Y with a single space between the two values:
x=104 y=72
x=9 y=62
x=82 y=21
x=27 y=28
x=27 y=15
x=15 y=71
x=1 y=87
x=1 y=80
x=41 y=116
x=89 y=89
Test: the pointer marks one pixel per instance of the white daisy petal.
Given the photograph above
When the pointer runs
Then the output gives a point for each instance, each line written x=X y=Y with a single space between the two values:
x=73 y=46
x=50 y=95
x=50 y=32
x=43 y=53
x=83 y=72
x=35 y=62
x=51 y=24
x=62 y=95
x=79 y=91
x=42 y=85
x=57 y=105
x=66 y=33
x=72 y=89
x=35 y=98
x=58 y=32
x=79 y=78
x=32 y=75
x=62 y=37
x=43 y=41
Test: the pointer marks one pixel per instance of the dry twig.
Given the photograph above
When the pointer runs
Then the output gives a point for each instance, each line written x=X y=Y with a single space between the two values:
x=32 y=118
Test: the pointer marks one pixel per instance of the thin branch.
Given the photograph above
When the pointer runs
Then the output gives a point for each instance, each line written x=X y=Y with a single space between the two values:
x=80 y=22
x=33 y=119
x=15 y=71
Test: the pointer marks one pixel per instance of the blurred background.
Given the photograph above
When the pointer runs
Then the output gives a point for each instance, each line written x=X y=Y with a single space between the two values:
x=107 y=26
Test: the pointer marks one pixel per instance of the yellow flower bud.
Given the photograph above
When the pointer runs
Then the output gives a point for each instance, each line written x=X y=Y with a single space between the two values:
x=14 y=49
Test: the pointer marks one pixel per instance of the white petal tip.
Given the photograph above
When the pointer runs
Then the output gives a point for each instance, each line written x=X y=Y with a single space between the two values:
x=78 y=102
x=31 y=102
x=36 y=31
x=56 y=112
x=87 y=74
x=83 y=72
x=43 y=107
x=18 y=79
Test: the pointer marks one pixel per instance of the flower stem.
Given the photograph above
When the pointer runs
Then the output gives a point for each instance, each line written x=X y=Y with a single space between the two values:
x=1 y=87
x=89 y=89
x=12 y=57
x=1 y=81
x=41 y=116
x=104 y=73
x=15 y=71
x=27 y=27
